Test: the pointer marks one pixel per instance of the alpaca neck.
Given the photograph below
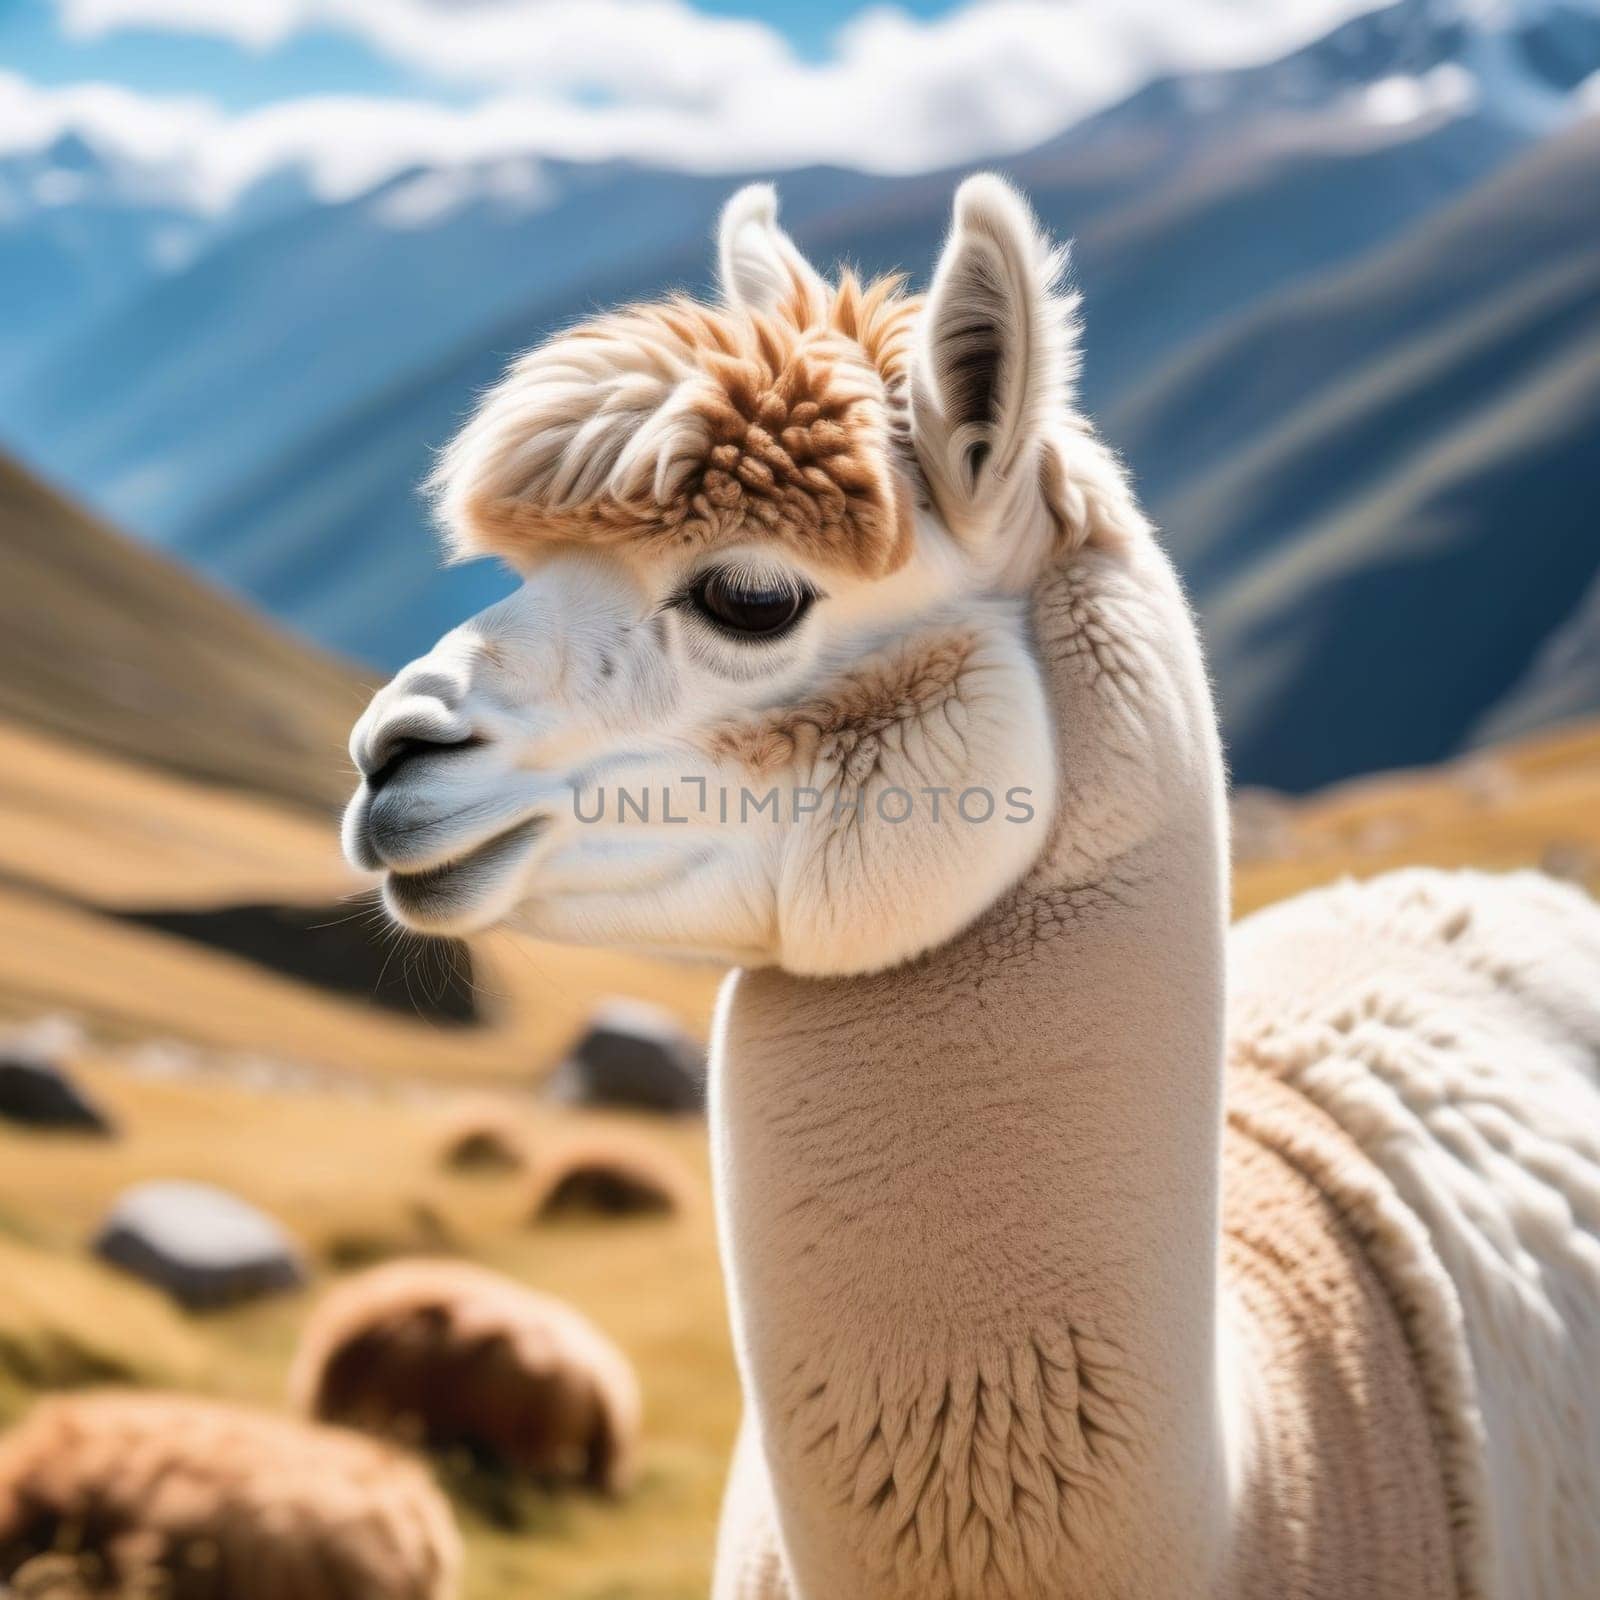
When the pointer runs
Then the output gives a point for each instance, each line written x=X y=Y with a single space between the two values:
x=969 y=1210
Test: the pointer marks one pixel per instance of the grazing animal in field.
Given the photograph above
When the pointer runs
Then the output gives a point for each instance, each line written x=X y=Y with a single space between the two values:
x=451 y=1357
x=152 y=1494
x=485 y=1138
x=1074 y=1249
x=607 y=1176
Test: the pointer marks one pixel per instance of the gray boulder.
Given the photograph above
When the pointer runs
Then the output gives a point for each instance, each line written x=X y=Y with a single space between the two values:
x=635 y=1057
x=203 y=1246
x=38 y=1091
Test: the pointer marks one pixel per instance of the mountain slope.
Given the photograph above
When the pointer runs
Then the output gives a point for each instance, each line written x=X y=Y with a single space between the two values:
x=1563 y=681
x=169 y=862
x=1306 y=282
x=326 y=529
x=209 y=402
x=1384 y=530
x=1377 y=635
x=106 y=642
x=1183 y=419
x=85 y=245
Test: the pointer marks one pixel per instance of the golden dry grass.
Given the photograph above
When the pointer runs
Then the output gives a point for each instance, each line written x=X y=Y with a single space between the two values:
x=1535 y=803
x=356 y=1178
x=65 y=1321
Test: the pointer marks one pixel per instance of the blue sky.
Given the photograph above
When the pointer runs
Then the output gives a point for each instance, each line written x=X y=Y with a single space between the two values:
x=161 y=61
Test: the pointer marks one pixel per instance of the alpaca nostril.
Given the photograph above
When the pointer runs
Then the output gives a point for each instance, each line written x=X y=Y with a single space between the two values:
x=398 y=751
x=397 y=755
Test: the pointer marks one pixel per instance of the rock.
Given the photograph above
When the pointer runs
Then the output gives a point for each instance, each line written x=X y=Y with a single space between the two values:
x=632 y=1056
x=202 y=1245
x=37 y=1090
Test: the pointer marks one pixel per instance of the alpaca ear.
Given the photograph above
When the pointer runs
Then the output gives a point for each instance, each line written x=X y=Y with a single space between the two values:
x=996 y=353
x=759 y=267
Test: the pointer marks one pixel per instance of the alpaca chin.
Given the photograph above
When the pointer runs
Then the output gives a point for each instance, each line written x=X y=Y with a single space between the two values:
x=474 y=891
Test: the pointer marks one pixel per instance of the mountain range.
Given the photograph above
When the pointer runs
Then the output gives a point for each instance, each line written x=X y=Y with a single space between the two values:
x=1342 y=317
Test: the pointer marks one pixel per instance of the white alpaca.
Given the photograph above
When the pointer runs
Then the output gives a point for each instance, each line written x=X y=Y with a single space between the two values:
x=1023 y=1307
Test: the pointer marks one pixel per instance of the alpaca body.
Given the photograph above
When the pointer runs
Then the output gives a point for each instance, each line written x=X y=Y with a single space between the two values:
x=901 y=1230
x=1451 y=1023
x=1448 y=1025
x=1027 y=1304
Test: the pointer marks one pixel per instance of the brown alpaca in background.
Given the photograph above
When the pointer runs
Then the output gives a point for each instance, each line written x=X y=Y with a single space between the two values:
x=451 y=1357
x=193 y=1500
x=604 y=1176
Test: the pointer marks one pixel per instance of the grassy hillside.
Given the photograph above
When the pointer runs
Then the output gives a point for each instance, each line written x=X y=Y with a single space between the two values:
x=169 y=765
x=165 y=750
x=328 y=1111
x=356 y=1179
x=88 y=838
x=1533 y=803
x=107 y=643
x=353 y=1171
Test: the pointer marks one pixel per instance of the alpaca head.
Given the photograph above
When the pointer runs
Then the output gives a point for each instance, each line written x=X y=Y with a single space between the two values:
x=767 y=691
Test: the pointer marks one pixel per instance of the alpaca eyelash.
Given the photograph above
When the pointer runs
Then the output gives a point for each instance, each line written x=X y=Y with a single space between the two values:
x=684 y=599
x=749 y=576
x=787 y=588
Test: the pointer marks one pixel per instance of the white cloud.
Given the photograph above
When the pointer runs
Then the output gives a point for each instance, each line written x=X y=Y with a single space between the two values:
x=156 y=140
x=1447 y=89
x=685 y=89
x=515 y=187
x=669 y=50
x=625 y=47
x=258 y=24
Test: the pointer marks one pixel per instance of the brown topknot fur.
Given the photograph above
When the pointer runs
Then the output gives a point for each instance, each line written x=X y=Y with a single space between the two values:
x=454 y=1358
x=169 y=1497
x=788 y=425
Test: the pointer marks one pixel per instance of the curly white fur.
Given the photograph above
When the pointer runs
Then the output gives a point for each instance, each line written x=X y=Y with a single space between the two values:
x=1451 y=1022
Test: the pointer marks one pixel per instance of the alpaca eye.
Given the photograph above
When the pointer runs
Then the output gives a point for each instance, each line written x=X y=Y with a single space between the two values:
x=751 y=610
